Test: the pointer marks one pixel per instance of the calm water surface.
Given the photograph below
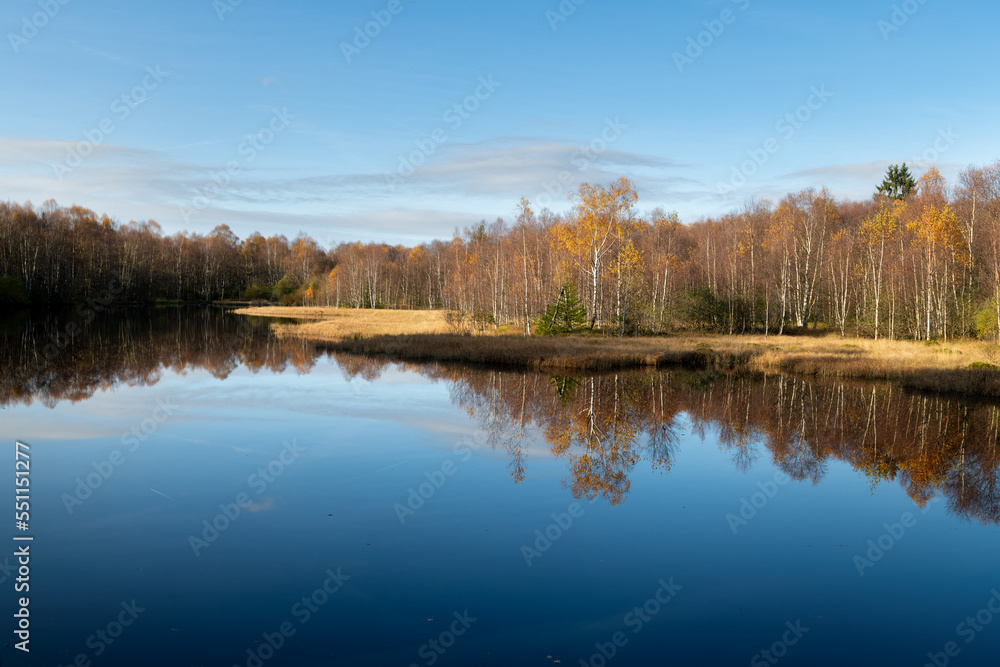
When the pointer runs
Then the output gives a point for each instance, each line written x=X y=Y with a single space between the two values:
x=203 y=494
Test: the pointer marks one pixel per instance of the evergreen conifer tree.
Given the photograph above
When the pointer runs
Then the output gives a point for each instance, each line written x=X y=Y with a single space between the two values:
x=898 y=182
x=565 y=314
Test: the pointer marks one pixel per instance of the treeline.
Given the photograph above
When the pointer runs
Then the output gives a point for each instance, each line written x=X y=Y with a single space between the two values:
x=64 y=255
x=918 y=260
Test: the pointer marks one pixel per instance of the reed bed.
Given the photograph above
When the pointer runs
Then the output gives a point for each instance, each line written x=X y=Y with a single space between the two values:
x=967 y=367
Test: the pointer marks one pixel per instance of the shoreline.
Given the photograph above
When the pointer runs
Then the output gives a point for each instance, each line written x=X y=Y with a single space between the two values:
x=958 y=366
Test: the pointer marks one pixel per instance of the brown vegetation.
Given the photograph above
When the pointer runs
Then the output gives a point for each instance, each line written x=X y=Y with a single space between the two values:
x=337 y=323
x=959 y=366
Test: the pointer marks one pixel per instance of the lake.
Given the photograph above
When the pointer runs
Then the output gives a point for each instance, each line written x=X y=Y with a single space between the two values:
x=205 y=494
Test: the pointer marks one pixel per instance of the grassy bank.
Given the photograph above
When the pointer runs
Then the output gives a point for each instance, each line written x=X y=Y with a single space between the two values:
x=961 y=366
x=331 y=324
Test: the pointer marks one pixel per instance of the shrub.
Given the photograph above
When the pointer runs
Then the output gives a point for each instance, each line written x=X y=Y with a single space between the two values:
x=284 y=291
x=986 y=321
x=482 y=320
x=257 y=293
x=291 y=299
x=704 y=310
x=456 y=321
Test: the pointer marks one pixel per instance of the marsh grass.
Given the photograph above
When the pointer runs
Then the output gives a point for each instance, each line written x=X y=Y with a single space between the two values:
x=968 y=367
x=336 y=323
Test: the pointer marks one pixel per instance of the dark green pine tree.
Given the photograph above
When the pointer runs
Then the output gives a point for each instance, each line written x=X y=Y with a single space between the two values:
x=898 y=182
x=565 y=314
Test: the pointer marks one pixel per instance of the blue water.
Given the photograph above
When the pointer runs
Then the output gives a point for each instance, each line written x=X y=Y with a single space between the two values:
x=658 y=578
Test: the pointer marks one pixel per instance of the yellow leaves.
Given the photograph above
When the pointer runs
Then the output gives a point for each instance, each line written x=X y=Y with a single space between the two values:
x=667 y=224
x=630 y=256
x=629 y=259
x=598 y=236
x=417 y=254
x=940 y=227
x=882 y=226
x=600 y=211
x=565 y=236
x=601 y=215
x=783 y=213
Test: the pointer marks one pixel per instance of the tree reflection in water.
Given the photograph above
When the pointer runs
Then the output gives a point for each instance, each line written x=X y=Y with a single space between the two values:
x=601 y=425
x=68 y=357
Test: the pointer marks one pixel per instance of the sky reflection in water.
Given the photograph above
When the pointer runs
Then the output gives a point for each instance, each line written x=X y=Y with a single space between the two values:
x=645 y=474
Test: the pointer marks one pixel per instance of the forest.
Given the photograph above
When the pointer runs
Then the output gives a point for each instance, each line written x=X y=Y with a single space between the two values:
x=918 y=260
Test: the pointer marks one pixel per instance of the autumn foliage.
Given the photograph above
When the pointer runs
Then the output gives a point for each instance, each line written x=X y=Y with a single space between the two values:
x=924 y=264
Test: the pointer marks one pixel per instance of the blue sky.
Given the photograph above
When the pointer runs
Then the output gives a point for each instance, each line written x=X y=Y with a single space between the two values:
x=140 y=109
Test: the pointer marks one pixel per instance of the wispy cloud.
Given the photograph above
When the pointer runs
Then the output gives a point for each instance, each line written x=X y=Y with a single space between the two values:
x=478 y=180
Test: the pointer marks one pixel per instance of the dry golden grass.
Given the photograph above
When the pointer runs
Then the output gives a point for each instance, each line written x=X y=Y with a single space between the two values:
x=424 y=335
x=330 y=324
x=957 y=366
